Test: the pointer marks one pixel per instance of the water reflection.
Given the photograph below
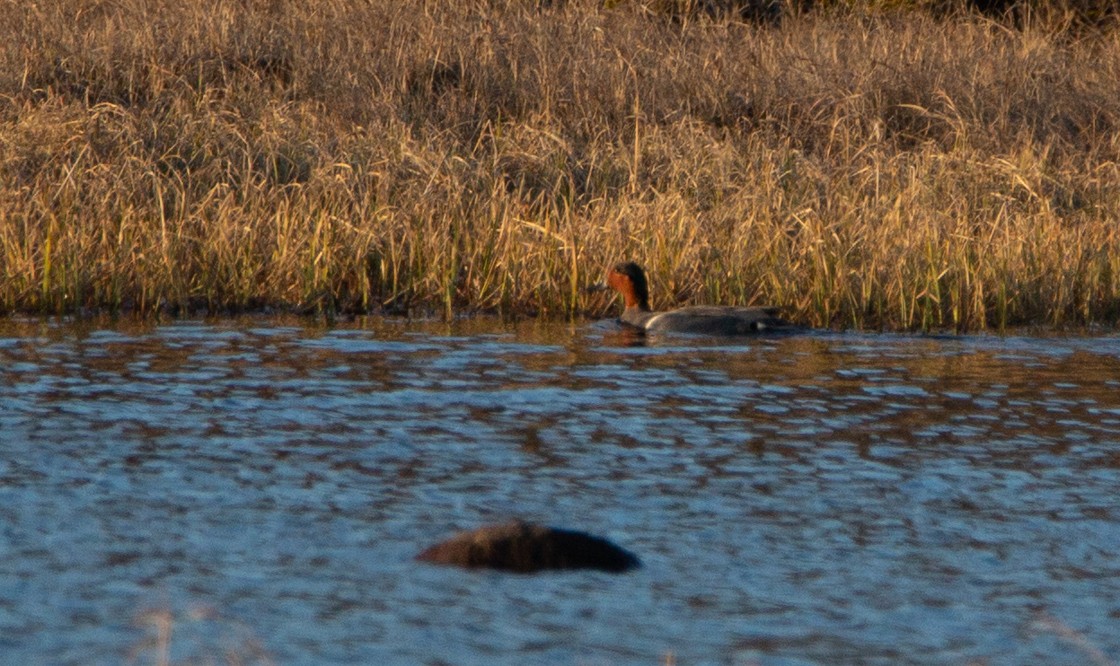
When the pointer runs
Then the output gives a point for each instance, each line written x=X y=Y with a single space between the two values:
x=795 y=500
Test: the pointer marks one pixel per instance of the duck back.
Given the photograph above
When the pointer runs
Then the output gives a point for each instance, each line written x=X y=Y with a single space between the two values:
x=712 y=320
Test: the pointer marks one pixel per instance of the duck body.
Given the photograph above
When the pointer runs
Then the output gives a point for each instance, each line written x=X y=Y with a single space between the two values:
x=707 y=319
x=629 y=279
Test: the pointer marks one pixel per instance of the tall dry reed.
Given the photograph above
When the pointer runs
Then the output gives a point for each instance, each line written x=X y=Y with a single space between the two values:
x=862 y=169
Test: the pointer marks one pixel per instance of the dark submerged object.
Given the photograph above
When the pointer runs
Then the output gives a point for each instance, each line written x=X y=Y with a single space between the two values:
x=528 y=548
x=628 y=279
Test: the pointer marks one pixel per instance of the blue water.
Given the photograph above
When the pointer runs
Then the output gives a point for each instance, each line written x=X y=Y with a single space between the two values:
x=254 y=491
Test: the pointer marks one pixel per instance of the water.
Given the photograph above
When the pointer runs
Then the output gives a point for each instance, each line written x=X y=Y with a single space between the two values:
x=255 y=490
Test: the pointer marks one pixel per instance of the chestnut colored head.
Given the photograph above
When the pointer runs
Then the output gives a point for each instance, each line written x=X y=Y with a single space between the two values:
x=628 y=279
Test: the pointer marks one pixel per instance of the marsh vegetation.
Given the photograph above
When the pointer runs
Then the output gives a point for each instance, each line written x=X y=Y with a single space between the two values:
x=862 y=166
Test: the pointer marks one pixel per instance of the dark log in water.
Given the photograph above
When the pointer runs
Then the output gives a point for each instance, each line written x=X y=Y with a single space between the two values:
x=527 y=548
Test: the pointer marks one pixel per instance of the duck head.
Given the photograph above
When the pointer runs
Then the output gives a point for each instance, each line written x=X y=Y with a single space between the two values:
x=628 y=279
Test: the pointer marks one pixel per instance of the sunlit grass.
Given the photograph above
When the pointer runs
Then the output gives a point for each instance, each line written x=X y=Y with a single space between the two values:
x=199 y=635
x=861 y=169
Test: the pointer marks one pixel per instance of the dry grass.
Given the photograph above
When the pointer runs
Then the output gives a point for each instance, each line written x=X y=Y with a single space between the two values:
x=200 y=635
x=863 y=169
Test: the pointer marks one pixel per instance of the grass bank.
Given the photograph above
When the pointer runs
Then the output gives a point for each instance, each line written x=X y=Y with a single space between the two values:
x=863 y=169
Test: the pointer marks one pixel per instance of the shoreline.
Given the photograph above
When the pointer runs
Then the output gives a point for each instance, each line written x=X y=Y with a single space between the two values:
x=490 y=321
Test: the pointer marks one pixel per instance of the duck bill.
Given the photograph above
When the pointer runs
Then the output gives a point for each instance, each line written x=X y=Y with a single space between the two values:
x=596 y=288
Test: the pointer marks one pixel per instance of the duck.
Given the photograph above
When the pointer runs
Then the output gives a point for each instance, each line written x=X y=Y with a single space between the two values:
x=522 y=547
x=628 y=279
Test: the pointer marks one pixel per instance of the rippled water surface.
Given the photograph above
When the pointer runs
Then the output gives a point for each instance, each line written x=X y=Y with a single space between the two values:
x=256 y=490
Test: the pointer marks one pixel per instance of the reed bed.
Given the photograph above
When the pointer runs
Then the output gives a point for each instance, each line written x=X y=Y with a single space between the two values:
x=862 y=167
